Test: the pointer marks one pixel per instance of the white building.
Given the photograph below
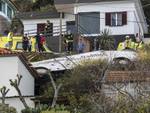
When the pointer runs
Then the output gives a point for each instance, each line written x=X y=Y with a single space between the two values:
x=10 y=66
x=7 y=11
x=35 y=21
x=121 y=17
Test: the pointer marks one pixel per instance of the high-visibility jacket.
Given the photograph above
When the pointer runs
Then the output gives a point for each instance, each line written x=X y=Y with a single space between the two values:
x=128 y=43
x=132 y=45
x=9 y=36
x=139 y=45
x=124 y=45
x=121 y=46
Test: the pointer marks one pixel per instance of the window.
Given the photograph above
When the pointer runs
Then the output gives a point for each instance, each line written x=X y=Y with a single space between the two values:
x=71 y=26
x=89 y=23
x=116 y=19
x=2 y=6
x=9 y=12
x=19 y=46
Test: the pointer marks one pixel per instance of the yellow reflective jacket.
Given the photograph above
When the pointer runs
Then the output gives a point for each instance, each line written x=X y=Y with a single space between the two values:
x=121 y=46
x=9 y=36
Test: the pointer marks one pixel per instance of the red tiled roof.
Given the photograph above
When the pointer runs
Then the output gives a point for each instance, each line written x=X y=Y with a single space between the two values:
x=5 y=51
x=127 y=76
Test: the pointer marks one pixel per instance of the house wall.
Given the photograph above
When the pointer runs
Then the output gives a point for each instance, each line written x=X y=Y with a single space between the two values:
x=111 y=89
x=16 y=103
x=10 y=67
x=30 y=26
x=103 y=7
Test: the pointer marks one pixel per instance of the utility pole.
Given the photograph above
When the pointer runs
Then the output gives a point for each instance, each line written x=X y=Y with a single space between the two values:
x=60 y=35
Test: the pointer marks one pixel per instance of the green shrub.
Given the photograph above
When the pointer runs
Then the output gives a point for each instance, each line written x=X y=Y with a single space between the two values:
x=4 y=108
x=53 y=111
x=57 y=109
x=38 y=109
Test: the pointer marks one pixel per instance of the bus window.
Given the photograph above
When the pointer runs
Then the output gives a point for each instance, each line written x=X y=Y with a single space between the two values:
x=19 y=46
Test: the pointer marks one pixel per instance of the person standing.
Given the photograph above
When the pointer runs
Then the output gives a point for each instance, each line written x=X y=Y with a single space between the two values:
x=42 y=42
x=29 y=44
x=38 y=38
x=127 y=42
x=25 y=42
x=81 y=46
x=69 y=41
x=48 y=29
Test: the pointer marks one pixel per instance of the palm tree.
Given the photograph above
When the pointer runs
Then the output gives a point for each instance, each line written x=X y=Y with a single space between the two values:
x=106 y=42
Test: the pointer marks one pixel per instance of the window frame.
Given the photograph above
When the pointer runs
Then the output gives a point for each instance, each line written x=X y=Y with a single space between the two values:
x=9 y=12
x=3 y=9
x=109 y=19
x=116 y=19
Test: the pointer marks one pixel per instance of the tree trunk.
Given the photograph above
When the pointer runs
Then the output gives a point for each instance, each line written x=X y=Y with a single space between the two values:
x=56 y=91
x=22 y=98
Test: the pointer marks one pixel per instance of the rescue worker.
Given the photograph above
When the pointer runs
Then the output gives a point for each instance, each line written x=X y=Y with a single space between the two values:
x=42 y=42
x=69 y=41
x=139 y=44
x=127 y=42
x=48 y=29
x=121 y=46
x=25 y=42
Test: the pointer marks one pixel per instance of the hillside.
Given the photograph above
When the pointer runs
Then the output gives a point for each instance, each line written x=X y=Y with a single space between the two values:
x=34 y=5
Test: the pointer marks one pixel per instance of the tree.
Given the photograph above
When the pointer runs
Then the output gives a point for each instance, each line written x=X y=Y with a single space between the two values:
x=4 y=92
x=16 y=84
x=85 y=88
x=106 y=42
x=56 y=89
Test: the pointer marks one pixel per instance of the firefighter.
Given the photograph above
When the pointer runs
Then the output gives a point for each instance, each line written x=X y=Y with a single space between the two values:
x=68 y=41
x=127 y=42
x=48 y=29
x=121 y=46
x=139 y=44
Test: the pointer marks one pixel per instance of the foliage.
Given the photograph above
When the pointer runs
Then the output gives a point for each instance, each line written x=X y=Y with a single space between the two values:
x=106 y=41
x=45 y=109
x=16 y=26
x=28 y=5
x=83 y=89
x=81 y=82
x=57 y=109
x=143 y=63
x=24 y=5
x=4 y=108
x=37 y=109
x=43 y=5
